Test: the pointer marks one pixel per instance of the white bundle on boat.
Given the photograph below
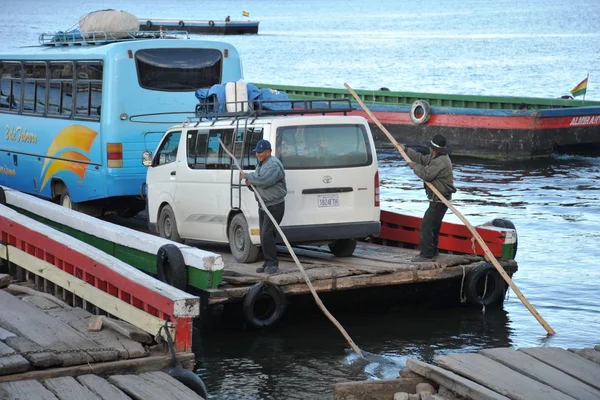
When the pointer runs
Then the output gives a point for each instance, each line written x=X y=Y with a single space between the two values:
x=111 y=21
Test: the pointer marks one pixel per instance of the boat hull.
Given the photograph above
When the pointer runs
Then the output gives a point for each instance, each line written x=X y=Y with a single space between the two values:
x=475 y=126
x=207 y=27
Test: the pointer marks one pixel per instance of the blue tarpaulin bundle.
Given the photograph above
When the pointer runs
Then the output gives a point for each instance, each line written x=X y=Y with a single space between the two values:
x=212 y=100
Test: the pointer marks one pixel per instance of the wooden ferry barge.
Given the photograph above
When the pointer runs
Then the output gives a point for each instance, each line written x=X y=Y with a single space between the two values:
x=203 y=27
x=377 y=274
x=475 y=126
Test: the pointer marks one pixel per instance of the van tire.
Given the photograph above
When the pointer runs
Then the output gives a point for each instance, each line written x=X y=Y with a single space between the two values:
x=170 y=266
x=343 y=247
x=239 y=240
x=167 y=225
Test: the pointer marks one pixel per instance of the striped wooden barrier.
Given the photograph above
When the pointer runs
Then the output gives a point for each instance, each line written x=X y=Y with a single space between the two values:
x=453 y=237
x=139 y=249
x=86 y=273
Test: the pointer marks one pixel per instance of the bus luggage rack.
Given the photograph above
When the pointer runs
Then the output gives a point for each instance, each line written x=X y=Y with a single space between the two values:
x=272 y=107
x=104 y=37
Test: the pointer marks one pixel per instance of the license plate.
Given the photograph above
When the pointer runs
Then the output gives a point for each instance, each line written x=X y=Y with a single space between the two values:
x=329 y=200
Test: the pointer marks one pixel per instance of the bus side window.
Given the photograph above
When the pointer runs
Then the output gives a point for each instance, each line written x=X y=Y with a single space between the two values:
x=60 y=100
x=10 y=86
x=35 y=87
x=167 y=153
x=88 y=94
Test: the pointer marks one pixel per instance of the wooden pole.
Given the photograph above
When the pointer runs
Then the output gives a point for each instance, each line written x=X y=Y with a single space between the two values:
x=289 y=247
x=489 y=256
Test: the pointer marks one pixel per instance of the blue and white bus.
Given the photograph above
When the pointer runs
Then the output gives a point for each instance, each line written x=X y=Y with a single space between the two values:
x=71 y=112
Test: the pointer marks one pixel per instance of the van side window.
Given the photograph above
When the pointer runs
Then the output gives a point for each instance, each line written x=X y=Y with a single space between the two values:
x=196 y=149
x=167 y=153
x=253 y=135
x=216 y=158
x=10 y=86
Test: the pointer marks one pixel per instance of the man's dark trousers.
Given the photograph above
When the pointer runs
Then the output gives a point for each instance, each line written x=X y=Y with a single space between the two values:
x=268 y=233
x=430 y=229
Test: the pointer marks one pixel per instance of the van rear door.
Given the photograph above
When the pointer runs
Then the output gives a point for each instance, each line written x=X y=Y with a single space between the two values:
x=331 y=171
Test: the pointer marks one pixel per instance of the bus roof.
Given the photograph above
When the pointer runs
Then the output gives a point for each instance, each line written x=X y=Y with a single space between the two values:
x=104 y=50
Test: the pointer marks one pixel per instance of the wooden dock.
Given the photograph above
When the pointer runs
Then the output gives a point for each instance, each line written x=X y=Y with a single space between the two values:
x=538 y=373
x=47 y=352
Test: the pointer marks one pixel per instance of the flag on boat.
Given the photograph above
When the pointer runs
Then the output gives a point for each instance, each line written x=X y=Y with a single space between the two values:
x=580 y=89
x=245 y=13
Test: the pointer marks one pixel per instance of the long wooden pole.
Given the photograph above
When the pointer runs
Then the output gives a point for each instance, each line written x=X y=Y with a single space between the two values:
x=489 y=255
x=289 y=247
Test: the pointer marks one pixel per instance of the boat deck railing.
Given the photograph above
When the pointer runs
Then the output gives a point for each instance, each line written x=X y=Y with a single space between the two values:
x=76 y=37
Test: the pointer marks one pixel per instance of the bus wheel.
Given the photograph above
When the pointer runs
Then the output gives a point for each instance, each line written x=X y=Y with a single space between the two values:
x=167 y=226
x=65 y=200
x=343 y=247
x=170 y=266
x=239 y=241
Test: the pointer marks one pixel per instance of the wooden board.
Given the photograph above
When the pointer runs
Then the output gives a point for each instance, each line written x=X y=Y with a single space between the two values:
x=114 y=367
x=5 y=334
x=578 y=367
x=67 y=388
x=153 y=386
x=102 y=388
x=498 y=377
x=11 y=364
x=36 y=357
x=25 y=390
x=589 y=353
x=454 y=382
x=533 y=368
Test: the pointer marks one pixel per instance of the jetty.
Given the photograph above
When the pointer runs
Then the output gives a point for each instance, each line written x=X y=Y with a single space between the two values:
x=500 y=374
x=205 y=27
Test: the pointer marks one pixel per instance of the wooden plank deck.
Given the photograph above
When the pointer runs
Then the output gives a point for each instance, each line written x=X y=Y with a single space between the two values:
x=523 y=374
x=371 y=265
x=46 y=352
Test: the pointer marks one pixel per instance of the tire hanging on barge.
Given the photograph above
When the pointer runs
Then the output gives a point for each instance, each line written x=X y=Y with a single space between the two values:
x=484 y=286
x=420 y=112
x=170 y=266
x=264 y=305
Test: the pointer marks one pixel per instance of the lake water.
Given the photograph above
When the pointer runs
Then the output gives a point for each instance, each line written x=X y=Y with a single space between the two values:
x=505 y=47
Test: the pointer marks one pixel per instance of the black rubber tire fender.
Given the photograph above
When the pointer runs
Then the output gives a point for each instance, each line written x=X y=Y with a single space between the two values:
x=211 y=23
x=181 y=24
x=343 y=247
x=475 y=283
x=170 y=266
x=420 y=112
x=148 y=23
x=506 y=223
x=2 y=197
x=190 y=380
x=276 y=295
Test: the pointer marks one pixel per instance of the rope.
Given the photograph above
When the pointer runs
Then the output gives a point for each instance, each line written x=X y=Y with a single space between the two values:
x=289 y=247
x=484 y=291
x=165 y=327
x=462 y=296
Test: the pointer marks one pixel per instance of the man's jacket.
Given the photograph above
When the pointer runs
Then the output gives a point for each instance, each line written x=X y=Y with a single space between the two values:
x=436 y=170
x=269 y=180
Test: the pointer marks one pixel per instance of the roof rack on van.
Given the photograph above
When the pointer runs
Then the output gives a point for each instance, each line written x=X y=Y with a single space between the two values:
x=75 y=37
x=262 y=108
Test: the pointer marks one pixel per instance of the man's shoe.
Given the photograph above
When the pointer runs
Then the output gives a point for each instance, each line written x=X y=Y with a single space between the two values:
x=420 y=258
x=260 y=270
x=271 y=269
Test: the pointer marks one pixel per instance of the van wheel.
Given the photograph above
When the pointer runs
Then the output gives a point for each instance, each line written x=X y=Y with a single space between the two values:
x=239 y=241
x=343 y=247
x=66 y=202
x=167 y=226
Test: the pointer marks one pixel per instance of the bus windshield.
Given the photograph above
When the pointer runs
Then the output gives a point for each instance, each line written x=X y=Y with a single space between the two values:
x=178 y=70
x=323 y=146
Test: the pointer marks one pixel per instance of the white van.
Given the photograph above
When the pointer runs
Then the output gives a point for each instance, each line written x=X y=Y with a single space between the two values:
x=194 y=190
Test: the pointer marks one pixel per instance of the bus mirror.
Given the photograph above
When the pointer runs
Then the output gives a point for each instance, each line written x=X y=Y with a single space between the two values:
x=147 y=158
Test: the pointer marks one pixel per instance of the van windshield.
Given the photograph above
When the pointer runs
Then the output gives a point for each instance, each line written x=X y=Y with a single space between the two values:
x=178 y=70
x=323 y=146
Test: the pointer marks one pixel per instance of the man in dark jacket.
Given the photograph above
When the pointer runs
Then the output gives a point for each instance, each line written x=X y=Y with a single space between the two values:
x=435 y=168
x=269 y=180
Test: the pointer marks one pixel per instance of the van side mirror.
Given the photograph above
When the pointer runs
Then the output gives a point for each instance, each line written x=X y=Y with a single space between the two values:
x=147 y=158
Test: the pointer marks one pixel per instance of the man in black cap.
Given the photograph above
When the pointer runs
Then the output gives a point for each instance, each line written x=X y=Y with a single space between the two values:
x=435 y=168
x=269 y=180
